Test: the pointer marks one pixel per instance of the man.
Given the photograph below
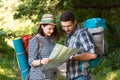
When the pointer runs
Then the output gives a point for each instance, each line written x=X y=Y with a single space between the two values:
x=77 y=38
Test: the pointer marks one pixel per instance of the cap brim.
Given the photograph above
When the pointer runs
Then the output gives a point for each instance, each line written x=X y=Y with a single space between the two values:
x=47 y=23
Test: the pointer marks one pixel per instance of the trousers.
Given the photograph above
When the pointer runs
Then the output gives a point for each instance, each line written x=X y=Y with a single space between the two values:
x=83 y=78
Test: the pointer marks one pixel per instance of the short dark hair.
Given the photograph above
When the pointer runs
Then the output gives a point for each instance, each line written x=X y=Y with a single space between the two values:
x=67 y=16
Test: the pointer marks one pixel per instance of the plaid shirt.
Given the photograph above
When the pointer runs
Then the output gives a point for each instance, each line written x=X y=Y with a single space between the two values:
x=78 y=39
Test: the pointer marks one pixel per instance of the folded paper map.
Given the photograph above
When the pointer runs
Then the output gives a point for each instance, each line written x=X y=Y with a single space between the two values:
x=59 y=55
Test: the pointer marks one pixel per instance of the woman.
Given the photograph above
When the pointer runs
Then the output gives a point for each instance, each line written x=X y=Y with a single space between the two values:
x=40 y=47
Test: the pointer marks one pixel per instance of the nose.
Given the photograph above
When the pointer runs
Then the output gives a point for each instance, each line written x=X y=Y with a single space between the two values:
x=65 y=28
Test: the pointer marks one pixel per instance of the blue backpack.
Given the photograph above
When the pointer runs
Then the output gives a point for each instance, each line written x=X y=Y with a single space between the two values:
x=96 y=29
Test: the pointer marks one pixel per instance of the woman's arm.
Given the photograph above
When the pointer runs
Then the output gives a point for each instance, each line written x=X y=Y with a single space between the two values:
x=40 y=62
x=33 y=53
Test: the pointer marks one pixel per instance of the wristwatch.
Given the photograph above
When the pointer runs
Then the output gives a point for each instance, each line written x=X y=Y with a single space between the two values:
x=40 y=63
x=72 y=57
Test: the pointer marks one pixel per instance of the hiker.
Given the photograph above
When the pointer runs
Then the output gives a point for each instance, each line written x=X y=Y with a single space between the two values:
x=40 y=47
x=77 y=38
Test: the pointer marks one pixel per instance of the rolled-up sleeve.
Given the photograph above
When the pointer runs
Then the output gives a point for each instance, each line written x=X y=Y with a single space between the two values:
x=32 y=50
x=86 y=42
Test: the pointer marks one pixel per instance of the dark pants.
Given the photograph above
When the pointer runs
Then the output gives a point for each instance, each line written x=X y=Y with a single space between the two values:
x=83 y=78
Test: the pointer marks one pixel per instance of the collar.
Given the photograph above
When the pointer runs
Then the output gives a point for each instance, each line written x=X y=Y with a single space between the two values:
x=77 y=27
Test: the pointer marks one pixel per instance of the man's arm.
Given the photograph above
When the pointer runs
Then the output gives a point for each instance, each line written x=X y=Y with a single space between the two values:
x=85 y=56
x=88 y=46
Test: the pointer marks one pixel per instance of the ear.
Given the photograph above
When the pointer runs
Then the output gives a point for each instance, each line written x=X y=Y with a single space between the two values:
x=75 y=22
x=42 y=26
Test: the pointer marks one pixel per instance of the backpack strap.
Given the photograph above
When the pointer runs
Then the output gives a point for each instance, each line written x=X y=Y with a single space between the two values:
x=39 y=46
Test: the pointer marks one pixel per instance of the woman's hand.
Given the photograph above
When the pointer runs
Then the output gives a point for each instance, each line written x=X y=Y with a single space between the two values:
x=36 y=63
x=42 y=61
x=46 y=60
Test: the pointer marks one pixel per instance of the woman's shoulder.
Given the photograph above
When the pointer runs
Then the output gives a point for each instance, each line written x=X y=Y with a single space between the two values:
x=35 y=38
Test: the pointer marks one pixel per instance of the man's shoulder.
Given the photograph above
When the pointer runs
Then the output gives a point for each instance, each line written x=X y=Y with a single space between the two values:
x=81 y=29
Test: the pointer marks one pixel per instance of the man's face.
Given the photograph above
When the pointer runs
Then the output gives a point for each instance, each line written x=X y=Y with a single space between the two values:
x=68 y=26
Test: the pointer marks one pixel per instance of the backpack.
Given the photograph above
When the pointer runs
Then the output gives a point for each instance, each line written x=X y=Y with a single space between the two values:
x=21 y=49
x=96 y=28
x=25 y=39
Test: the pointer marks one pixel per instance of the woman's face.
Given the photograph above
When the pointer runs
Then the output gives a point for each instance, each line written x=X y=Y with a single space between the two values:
x=48 y=29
